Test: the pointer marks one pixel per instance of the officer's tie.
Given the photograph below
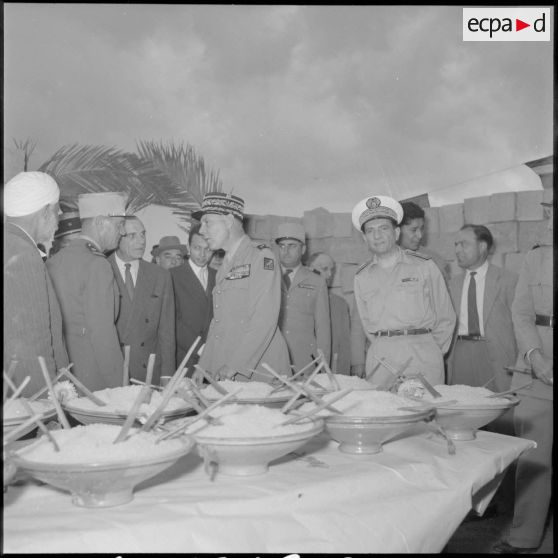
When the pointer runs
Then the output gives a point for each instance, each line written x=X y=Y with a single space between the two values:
x=472 y=312
x=129 y=281
x=287 y=277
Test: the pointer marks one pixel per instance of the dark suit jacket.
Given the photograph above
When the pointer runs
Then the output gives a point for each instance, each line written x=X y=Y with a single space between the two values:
x=32 y=317
x=499 y=289
x=146 y=323
x=194 y=308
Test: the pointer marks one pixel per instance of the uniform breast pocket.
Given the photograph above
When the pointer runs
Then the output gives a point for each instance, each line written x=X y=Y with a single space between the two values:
x=409 y=302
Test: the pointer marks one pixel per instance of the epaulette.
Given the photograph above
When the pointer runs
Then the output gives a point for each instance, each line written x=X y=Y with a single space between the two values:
x=93 y=249
x=365 y=264
x=316 y=272
x=262 y=246
x=420 y=255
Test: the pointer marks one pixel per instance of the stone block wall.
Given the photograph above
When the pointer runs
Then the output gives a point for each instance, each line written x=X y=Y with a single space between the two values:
x=515 y=219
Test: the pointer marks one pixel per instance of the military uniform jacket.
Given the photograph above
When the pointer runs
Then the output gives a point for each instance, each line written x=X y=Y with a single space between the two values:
x=304 y=319
x=340 y=332
x=88 y=295
x=32 y=318
x=410 y=295
x=246 y=301
x=534 y=295
x=146 y=323
x=194 y=307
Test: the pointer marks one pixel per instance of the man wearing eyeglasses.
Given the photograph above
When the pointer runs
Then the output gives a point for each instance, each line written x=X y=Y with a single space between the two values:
x=304 y=319
x=87 y=291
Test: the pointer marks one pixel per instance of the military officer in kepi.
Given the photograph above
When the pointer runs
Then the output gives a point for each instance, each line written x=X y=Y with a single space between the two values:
x=401 y=298
x=304 y=319
x=243 y=333
x=88 y=293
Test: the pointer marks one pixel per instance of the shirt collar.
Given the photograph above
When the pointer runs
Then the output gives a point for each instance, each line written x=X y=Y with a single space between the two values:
x=122 y=264
x=293 y=269
x=481 y=270
x=229 y=255
x=195 y=267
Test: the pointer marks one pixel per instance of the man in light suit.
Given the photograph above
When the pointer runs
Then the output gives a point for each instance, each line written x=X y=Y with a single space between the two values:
x=193 y=283
x=32 y=317
x=304 y=319
x=482 y=348
x=246 y=299
x=88 y=295
x=146 y=318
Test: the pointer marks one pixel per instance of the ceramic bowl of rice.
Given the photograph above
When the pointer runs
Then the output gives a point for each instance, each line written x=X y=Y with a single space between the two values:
x=254 y=392
x=96 y=471
x=243 y=439
x=472 y=411
x=119 y=401
x=369 y=419
x=15 y=414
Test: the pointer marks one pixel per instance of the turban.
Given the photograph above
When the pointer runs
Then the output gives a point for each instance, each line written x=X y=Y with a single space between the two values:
x=27 y=192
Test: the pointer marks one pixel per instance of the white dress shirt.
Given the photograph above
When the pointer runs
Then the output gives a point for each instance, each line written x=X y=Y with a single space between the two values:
x=134 y=268
x=480 y=280
x=201 y=273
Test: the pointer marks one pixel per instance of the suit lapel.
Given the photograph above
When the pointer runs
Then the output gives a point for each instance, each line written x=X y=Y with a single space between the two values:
x=491 y=285
x=192 y=280
x=456 y=290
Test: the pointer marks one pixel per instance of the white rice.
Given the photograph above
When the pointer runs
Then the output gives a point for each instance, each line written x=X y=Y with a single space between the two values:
x=93 y=443
x=247 y=421
x=466 y=395
x=370 y=403
x=121 y=399
x=249 y=390
x=344 y=382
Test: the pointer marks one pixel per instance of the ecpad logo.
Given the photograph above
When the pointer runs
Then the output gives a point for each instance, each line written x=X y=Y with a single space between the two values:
x=506 y=24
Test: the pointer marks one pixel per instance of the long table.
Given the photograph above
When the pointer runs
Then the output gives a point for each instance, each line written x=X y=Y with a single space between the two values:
x=409 y=498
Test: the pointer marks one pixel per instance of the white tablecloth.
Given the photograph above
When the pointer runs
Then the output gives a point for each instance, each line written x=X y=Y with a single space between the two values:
x=409 y=498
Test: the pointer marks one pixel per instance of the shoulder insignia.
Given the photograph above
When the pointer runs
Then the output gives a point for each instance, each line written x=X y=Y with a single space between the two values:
x=417 y=254
x=262 y=246
x=365 y=264
x=93 y=249
x=268 y=263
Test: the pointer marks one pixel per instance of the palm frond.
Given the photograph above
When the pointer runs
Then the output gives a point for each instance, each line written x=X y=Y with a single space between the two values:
x=186 y=171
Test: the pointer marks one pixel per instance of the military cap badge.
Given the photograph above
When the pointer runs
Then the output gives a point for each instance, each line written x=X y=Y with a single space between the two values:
x=373 y=203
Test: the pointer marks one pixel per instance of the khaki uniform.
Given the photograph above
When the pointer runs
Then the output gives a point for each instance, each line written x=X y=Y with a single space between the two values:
x=410 y=295
x=88 y=295
x=533 y=417
x=246 y=300
x=304 y=319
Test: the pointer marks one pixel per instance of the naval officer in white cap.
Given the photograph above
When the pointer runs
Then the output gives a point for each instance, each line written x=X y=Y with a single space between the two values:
x=401 y=298
x=88 y=293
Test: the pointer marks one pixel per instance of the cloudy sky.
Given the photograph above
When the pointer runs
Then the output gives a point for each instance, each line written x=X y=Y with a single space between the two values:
x=296 y=106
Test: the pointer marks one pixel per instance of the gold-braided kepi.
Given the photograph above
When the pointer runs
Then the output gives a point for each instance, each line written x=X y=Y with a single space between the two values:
x=222 y=204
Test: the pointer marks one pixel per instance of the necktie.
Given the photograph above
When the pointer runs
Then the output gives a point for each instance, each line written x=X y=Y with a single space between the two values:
x=203 y=277
x=129 y=281
x=472 y=312
x=287 y=277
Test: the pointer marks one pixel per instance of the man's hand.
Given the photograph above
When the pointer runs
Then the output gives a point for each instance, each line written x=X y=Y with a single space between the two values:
x=542 y=367
x=225 y=373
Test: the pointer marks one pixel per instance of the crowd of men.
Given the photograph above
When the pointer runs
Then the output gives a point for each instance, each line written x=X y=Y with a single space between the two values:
x=96 y=303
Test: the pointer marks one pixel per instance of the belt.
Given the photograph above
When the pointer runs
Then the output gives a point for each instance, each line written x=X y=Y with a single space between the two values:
x=542 y=320
x=393 y=332
x=470 y=338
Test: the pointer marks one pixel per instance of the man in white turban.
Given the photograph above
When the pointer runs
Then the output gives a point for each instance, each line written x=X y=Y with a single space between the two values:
x=32 y=318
